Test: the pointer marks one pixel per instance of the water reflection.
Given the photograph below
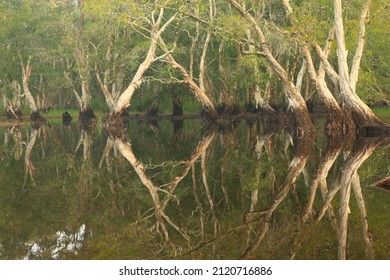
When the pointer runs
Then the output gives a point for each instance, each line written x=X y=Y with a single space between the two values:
x=177 y=190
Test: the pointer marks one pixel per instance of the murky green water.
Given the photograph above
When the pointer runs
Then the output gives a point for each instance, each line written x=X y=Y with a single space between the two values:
x=185 y=192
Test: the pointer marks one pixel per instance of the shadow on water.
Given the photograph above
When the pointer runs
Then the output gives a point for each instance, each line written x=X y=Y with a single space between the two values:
x=248 y=189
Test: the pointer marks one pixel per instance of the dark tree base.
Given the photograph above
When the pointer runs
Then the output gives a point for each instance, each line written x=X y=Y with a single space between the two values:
x=37 y=120
x=116 y=124
x=152 y=111
x=87 y=119
x=86 y=115
x=66 y=119
x=177 y=109
x=10 y=115
x=373 y=131
x=228 y=109
x=384 y=183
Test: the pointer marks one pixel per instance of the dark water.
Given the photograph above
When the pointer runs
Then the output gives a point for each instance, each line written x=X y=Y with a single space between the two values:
x=184 y=192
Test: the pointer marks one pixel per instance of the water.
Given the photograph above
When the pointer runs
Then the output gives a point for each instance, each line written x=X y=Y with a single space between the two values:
x=183 y=192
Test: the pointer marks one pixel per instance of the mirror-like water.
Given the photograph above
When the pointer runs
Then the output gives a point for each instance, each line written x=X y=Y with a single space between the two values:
x=177 y=190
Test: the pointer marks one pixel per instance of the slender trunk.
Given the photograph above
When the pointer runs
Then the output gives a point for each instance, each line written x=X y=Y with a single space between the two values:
x=354 y=75
x=330 y=157
x=198 y=151
x=295 y=169
x=125 y=98
x=296 y=102
x=199 y=93
x=363 y=114
x=29 y=167
x=363 y=215
x=26 y=72
x=301 y=75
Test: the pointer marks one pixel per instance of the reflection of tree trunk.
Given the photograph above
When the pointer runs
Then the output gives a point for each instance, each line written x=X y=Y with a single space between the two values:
x=302 y=153
x=106 y=154
x=254 y=199
x=208 y=193
x=27 y=159
x=198 y=203
x=86 y=167
x=329 y=158
x=17 y=138
x=363 y=215
x=223 y=186
x=127 y=152
x=362 y=149
x=198 y=151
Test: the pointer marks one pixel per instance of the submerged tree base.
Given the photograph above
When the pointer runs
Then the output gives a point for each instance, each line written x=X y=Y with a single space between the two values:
x=15 y=113
x=87 y=119
x=115 y=124
x=37 y=120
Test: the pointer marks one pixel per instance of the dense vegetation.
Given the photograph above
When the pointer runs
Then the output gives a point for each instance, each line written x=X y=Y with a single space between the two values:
x=86 y=54
x=274 y=60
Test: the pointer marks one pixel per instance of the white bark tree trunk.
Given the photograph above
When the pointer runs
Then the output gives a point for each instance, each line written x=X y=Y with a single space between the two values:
x=360 y=46
x=26 y=72
x=348 y=81
x=199 y=93
x=125 y=98
x=296 y=102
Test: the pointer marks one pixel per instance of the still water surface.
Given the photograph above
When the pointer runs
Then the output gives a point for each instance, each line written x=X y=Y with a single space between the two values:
x=178 y=190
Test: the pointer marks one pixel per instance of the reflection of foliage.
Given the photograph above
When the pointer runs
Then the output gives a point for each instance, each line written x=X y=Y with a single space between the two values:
x=375 y=167
x=118 y=212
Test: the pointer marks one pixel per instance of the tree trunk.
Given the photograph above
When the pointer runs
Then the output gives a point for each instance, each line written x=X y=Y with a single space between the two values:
x=362 y=113
x=26 y=72
x=296 y=102
x=125 y=98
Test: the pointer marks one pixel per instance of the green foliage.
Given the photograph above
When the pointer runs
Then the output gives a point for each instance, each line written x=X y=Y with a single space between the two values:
x=52 y=33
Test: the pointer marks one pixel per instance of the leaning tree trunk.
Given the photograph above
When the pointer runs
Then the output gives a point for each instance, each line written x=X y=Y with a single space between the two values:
x=12 y=106
x=348 y=80
x=296 y=102
x=156 y=32
x=26 y=72
x=295 y=169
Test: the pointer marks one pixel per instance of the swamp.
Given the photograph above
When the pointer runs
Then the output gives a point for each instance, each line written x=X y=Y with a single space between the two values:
x=217 y=129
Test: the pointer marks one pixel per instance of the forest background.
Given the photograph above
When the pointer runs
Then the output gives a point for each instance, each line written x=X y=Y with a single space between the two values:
x=94 y=55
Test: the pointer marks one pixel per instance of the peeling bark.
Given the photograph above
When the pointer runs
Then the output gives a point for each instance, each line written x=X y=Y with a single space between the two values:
x=362 y=113
x=296 y=102
x=195 y=88
x=125 y=99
